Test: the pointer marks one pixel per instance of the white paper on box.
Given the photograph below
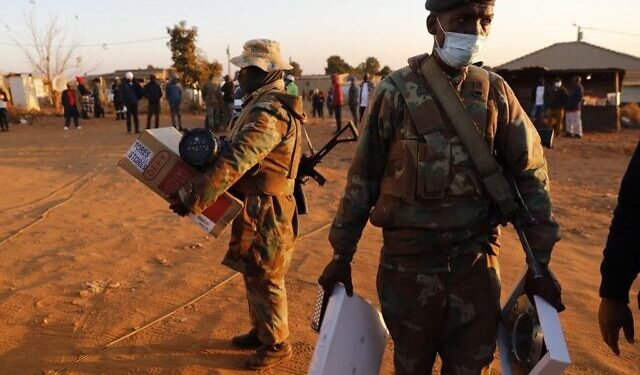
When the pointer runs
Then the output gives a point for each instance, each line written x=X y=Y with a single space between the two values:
x=352 y=337
x=556 y=360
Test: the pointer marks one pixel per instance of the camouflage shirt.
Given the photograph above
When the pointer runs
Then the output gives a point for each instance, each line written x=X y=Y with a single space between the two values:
x=451 y=213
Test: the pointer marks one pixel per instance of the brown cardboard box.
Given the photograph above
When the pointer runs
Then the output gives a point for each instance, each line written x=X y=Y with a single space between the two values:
x=155 y=161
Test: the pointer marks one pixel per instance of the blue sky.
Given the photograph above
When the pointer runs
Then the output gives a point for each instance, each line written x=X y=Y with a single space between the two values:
x=309 y=30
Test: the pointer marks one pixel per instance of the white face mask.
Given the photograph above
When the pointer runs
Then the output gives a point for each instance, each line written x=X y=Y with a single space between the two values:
x=558 y=84
x=460 y=50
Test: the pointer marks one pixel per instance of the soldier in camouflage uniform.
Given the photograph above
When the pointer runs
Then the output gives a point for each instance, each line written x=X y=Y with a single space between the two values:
x=259 y=166
x=438 y=279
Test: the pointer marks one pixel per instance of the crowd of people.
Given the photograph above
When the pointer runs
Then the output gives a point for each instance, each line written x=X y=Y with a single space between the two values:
x=559 y=107
x=78 y=101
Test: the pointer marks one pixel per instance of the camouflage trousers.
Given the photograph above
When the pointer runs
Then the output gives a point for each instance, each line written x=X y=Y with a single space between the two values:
x=453 y=315
x=267 y=299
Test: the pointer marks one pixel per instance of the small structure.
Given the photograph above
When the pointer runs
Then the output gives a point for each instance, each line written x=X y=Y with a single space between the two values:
x=602 y=70
x=24 y=93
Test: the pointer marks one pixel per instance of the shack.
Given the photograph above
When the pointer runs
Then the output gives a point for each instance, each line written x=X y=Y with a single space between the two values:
x=602 y=70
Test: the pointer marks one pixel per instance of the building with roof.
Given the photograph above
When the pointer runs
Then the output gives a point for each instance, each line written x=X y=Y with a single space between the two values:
x=609 y=78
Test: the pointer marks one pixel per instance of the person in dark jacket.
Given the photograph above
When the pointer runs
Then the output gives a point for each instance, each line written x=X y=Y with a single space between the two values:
x=317 y=102
x=574 y=109
x=117 y=98
x=174 y=97
x=153 y=92
x=4 y=119
x=555 y=101
x=131 y=94
x=353 y=100
x=71 y=104
x=621 y=263
x=228 y=98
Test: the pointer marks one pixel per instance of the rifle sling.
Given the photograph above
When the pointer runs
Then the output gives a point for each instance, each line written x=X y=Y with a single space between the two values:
x=486 y=164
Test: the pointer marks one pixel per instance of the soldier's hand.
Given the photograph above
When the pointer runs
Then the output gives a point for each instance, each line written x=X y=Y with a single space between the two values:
x=182 y=204
x=546 y=287
x=612 y=316
x=337 y=271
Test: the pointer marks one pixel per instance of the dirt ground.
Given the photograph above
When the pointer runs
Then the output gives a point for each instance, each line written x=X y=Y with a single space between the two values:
x=87 y=255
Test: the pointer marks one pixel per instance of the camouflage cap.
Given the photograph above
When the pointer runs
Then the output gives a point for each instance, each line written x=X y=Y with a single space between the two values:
x=440 y=5
x=263 y=53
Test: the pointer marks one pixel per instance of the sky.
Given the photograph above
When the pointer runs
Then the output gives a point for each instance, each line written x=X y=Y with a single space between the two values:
x=309 y=30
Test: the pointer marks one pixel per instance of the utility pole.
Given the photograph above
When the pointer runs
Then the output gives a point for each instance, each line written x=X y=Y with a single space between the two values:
x=228 y=62
x=580 y=32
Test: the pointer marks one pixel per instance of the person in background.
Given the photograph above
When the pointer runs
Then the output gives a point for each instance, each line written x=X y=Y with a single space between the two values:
x=86 y=106
x=290 y=85
x=131 y=94
x=212 y=95
x=153 y=92
x=366 y=89
x=71 y=104
x=174 y=97
x=537 y=109
x=621 y=262
x=574 y=109
x=555 y=101
x=338 y=100
x=4 y=118
x=330 y=102
x=99 y=98
x=353 y=100
x=317 y=102
x=118 y=104
x=228 y=90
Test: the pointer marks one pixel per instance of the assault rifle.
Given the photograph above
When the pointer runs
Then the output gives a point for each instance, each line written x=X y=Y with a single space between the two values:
x=307 y=167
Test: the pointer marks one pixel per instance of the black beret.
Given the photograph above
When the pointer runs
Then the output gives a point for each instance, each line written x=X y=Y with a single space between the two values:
x=440 y=5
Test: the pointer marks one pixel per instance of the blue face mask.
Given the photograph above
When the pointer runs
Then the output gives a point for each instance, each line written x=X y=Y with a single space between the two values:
x=460 y=50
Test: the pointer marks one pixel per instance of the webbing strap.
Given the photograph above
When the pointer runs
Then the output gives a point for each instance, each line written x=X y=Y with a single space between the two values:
x=486 y=164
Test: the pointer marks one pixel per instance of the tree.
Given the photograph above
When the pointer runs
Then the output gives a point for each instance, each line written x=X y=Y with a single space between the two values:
x=385 y=71
x=184 y=53
x=48 y=50
x=335 y=64
x=371 y=66
x=207 y=70
x=296 y=71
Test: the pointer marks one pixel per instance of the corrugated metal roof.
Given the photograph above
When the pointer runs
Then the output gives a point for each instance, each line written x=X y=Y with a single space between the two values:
x=574 y=56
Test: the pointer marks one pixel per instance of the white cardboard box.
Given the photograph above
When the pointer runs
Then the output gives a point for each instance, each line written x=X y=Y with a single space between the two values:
x=352 y=337
x=556 y=360
x=155 y=161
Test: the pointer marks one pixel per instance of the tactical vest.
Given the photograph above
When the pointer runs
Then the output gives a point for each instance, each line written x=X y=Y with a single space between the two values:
x=430 y=181
x=276 y=173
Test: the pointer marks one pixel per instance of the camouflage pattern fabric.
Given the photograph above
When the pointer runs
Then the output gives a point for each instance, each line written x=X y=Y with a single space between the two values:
x=421 y=187
x=454 y=315
x=259 y=166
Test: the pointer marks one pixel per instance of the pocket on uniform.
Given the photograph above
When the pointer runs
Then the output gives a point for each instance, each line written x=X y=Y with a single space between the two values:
x=434 y=166
x=465 y=180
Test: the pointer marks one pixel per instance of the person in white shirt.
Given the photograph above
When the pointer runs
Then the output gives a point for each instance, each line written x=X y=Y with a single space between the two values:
x=537 y=111
x=366 y=88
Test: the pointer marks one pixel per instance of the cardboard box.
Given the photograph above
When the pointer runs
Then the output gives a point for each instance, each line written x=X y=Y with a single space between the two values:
x=553 y=361
x=352 y=337
x=155 y=161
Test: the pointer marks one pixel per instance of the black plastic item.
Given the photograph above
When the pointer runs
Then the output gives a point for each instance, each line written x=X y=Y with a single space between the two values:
x=319 y=309
x=199 y=148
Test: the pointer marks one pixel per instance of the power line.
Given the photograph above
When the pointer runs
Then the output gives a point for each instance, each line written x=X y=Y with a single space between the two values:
x=93 y=45
x=618 y=32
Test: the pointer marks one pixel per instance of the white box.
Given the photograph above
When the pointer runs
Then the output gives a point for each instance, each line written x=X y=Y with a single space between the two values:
x=352 y=337
x=556 y=359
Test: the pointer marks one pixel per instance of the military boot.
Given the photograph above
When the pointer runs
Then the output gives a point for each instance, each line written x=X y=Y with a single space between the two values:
x=268 y=356
x=247 y=341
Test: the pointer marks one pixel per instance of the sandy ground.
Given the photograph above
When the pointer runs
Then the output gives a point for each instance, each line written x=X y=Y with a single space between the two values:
x=87 y=255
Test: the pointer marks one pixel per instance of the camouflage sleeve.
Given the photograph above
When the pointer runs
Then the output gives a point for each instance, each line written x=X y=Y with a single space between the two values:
x=261 y=133
x=518 y=142
x=366 y=171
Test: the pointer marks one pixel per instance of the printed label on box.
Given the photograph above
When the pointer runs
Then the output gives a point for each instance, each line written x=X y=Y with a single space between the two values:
x=177 y=177
x=203 y=221
x=139 y=155
x=156 y=165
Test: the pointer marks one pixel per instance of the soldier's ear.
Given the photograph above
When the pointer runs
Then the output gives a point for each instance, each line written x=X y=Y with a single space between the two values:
x=432 y=24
